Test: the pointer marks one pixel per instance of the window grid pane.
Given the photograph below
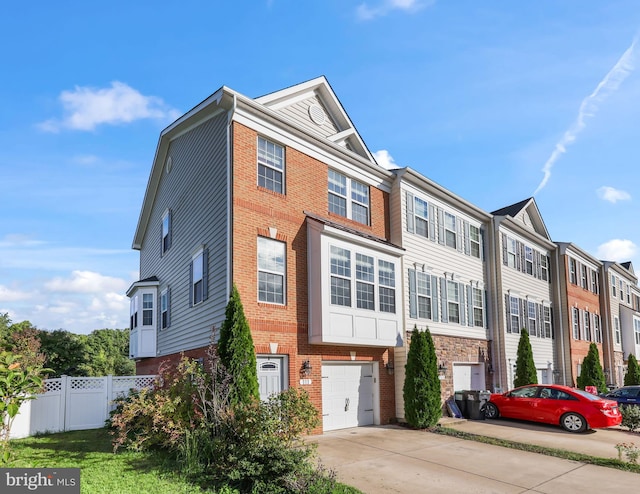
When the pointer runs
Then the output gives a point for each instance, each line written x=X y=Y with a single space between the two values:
x=365 y=296
x=387 y=300
x=340 y=291
x=271 y=288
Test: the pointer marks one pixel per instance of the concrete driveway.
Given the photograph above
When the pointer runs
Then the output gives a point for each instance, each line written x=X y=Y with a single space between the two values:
x=394 y=459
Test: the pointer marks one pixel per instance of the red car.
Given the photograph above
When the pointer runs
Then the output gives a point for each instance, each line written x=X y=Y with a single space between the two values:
x=574 y=409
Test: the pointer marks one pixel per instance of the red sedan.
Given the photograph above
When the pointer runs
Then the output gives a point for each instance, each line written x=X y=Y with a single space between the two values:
x=575 y=410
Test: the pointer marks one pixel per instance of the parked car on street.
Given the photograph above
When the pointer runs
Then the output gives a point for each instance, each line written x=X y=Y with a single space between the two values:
x=573 y=409
x=626 y=395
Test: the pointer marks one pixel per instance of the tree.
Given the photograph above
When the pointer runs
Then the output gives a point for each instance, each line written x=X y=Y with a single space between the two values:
x=421 y=391
x=632 y=377
x=525 y=366
x=65 y=352
x=591 y=373
x=107 y=353
x=237 y=353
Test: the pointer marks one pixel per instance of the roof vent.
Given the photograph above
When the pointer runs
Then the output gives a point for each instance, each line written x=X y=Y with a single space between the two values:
x=317 y=114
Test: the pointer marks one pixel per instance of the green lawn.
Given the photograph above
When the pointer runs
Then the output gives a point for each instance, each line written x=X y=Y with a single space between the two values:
x=102 y=471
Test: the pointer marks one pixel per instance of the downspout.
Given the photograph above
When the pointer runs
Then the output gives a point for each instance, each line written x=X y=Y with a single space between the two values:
x=230 y=197
x=560 y=318
x=610 y=336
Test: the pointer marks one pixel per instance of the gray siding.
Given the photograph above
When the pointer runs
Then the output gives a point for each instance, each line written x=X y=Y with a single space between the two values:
x=196 y=193
x=299 y=113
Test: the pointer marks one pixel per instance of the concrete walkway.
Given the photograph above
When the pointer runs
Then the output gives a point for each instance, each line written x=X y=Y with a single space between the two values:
x=394 y=459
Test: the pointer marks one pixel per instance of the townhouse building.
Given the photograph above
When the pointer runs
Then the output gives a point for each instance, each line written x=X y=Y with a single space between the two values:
x=279 y=196
x=579 y=311
x=521 y=291
x=620 y=299
x=445 y=280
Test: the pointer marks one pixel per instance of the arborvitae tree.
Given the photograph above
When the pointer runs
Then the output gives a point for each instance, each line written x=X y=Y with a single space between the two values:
x=421 y=392
x=591 y=373
x=237 y=353
x=632 y=377
x=525 y=366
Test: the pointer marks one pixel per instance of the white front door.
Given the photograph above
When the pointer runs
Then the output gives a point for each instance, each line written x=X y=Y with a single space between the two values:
x=271 y=376
x=347 y=395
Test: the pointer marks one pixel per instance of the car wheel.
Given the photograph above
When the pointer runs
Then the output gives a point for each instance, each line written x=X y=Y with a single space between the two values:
x=573 y=422
x=491 y=411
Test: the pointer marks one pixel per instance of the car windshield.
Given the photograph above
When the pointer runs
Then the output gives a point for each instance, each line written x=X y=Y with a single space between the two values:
x=586 y=395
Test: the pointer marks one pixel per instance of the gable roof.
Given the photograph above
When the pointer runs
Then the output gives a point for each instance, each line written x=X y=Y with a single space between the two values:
x=527 y=214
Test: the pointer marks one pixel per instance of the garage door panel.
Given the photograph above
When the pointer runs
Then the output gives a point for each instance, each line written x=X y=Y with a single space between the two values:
x=347 y=395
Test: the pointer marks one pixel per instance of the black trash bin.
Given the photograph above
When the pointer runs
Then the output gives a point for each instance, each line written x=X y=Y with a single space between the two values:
x=461 y=402
x=475 y=409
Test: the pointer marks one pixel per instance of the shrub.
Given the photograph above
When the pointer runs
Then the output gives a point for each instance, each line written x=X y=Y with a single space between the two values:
x=525 y=366
x=630 y=417
x=591 y=373
x=421 y=391
x=632 y=377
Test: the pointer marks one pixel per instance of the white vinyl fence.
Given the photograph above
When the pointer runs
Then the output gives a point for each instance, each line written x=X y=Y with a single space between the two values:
x=74 y=403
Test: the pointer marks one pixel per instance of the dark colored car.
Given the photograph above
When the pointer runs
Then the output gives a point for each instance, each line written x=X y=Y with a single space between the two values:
x=573 y=409
x=626 y=395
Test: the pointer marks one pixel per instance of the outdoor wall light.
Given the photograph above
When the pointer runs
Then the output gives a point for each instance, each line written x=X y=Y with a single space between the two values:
x=442 y=368
x=305 y=370
x=390 y=367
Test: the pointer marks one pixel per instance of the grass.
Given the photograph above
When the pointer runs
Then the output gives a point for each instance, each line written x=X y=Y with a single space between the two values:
x=102 y=471
x=532 y=448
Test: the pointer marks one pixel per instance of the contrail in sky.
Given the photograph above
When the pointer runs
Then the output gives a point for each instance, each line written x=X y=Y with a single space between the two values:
x=589 y=106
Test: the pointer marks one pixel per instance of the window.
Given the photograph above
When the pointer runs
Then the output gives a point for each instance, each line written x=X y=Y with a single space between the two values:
x=424 y=290
x=594 y=282
x=271 y=271
x=348 y=198
x=365 y=282
x=531 y=314
x=546 y=320
x=340 y=276
x=585 y=279
x=573 y=278
x=636 y=330
x=620 y=292
x=387 y=280
x=587 y=326
x=528 y=259
x=147 y=309
x=270 y=165
x=597 y=332
x=474 y=240
x=613 y=285
x=199 y=278
x=166 y=231
x=616 y=329
x=511 y=252
x=133 y=312
x=450 y=230
x=453 y=301
x=544 y=267
x=514 y=310
x=478 y=307
x=421 y=215
x=164 y=308
x=575 y=321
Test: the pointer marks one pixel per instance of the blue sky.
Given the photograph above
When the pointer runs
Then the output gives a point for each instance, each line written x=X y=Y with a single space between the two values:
x=494 y=100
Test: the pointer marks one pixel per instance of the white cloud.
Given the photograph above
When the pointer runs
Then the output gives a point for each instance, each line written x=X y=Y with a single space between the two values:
x=9 y=295
x=19 y=240
x=589 y=107
x=85 y=108
x=366 y=13
x=613 y=195
x=87 y=282
x=385 y=160
x=617 y=250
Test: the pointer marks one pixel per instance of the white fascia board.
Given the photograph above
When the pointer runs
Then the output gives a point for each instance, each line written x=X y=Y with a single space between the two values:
x=290 y=101
x=358 y=240
x=141 y=284
x=355 y=167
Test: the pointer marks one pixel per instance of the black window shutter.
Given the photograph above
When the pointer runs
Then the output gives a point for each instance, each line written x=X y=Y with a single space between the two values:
x=507 y=304
x=434 y=298
x=443 y=297
x=505 y=255
x=432 y=222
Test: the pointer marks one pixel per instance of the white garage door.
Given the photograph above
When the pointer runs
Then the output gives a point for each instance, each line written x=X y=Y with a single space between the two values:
x=468 y=376
x=347 y=395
